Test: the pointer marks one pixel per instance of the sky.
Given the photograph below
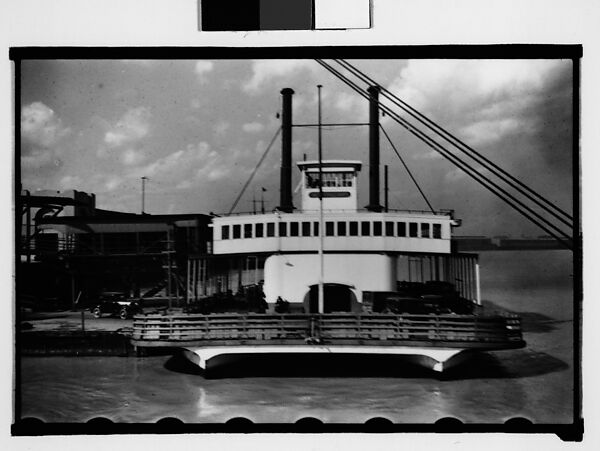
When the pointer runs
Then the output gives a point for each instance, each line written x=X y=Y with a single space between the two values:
x=197 y=129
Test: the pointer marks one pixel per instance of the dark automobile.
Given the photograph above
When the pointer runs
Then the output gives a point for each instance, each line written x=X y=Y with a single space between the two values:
x=116 y=304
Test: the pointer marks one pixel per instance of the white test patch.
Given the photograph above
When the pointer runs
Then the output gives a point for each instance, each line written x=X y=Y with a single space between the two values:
x=342 y=14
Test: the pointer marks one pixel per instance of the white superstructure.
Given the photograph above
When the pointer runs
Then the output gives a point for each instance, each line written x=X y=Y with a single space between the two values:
x=364 y=250
x=361 y=247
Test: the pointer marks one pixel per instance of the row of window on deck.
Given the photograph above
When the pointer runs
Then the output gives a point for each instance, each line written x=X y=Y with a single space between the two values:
x=333 y=228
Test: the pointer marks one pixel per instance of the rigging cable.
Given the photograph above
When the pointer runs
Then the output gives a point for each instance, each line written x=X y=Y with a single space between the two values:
x=460 y=164
x=456 y=142
x=254 y=172
x=406 y=167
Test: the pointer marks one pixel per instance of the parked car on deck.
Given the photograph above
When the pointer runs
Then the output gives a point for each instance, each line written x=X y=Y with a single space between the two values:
x=116 y=304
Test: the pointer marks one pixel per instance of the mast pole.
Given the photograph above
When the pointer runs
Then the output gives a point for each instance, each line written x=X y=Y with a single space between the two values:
x=386 y=189
x=321 y=299
x=144 y=193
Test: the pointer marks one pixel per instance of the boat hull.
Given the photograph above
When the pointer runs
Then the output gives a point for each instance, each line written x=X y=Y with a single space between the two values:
x=209 y=358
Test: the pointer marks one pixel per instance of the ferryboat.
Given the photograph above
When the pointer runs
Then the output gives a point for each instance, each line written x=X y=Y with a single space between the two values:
x=327 y=276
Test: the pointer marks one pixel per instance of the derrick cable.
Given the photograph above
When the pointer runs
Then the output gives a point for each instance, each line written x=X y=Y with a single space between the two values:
x=450 y=138
x=456 y=142
x=457 y=161
x=460 y=164
x=254 y=172
x=406 y=167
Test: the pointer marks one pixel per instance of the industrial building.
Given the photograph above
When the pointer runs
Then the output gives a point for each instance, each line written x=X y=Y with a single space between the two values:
x=70 y=251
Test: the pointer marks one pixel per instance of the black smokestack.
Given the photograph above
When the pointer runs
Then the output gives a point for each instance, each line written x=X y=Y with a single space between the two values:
x=285 y=191
x=374 y=204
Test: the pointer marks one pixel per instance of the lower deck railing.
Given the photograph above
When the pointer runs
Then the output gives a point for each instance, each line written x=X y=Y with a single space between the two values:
x=315 y=328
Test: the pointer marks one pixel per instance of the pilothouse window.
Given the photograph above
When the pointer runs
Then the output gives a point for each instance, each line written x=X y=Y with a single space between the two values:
x=330 y=179
x=312 y=180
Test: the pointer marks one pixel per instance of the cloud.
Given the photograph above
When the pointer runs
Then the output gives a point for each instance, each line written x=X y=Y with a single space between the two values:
x=253 y=127
x=132 y=127
x=217 y=173
x=132 y=157
x=197 y=166
x=42 y=133
x=489 y=131
x=350 y=105
x=264 y=71
x=40 y=159
x=423 y=82
x=455 y=174
x=185 y=184
x=70 y=182
x=481 y=100
x=179 y=164
x=195 y=104
x=40 y=126
x=427 y=155
x=302 y=145
x=203 y=67
x=221 y=128
x=112 y=182
x=102 y=183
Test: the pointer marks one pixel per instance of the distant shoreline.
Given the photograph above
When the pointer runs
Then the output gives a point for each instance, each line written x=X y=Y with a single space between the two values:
x=461 y=244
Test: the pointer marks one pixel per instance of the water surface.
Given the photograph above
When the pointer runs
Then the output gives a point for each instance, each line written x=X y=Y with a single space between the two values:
x=535 y=382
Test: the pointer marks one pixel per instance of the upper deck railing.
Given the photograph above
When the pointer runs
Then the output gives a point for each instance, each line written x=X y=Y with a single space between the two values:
x=441 y=212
